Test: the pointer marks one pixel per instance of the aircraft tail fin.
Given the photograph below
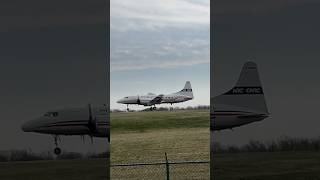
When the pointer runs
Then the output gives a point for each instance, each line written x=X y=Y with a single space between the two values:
x=187 y=90
x=248 y=91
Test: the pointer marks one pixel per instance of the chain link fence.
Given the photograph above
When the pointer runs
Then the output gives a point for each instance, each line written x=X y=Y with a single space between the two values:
x=195 y=170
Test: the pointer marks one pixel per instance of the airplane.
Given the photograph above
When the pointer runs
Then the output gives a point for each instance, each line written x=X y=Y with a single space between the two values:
x=243 y=104
x=150 y=99
x=71 y=121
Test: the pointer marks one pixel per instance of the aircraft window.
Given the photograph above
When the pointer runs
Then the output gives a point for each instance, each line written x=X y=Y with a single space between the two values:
x=126 y=97
x=51 y=114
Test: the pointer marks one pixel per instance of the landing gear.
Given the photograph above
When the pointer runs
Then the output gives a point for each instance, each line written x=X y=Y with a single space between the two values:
x=57 y=150
x=128 y=107
x=153 y=108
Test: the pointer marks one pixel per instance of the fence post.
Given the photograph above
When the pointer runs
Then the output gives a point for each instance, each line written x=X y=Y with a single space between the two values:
x=167 y=167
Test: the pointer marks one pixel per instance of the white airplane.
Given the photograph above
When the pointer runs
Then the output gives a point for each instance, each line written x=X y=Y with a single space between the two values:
x=243 y=104
x=151 y=99
x=73 y=121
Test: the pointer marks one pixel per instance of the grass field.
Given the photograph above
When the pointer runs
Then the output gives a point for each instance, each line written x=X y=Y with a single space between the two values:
x=267 y=165
x=54 y=170
x=144 y=137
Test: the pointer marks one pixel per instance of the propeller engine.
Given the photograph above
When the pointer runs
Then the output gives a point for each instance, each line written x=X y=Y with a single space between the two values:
x=92 y=122
x=138 y=101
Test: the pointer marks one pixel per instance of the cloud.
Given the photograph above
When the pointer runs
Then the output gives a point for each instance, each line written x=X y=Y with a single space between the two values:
x=159 y=33
x=165 y=65
x=151 y=14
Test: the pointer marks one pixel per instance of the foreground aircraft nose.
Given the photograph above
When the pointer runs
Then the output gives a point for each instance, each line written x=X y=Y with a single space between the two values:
x=120 y=101
x=28 y=127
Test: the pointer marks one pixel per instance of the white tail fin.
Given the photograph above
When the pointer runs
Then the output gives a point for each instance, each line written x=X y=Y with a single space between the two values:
x=187 y=90
x=247 y=93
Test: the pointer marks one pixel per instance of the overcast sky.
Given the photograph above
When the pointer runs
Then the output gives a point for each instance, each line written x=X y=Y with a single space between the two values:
x=283 y=36
x=158 y=45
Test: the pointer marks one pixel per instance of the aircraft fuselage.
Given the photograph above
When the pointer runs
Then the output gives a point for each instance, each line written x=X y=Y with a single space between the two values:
x=229 y=119
x=70 y=122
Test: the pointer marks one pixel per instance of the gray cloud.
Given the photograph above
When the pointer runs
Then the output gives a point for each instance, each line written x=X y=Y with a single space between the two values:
x=159 y=34
x=152 y=14
x=167 y=48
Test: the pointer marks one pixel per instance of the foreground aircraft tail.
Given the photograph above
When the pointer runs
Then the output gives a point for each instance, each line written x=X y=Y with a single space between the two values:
x=248 y=92
x=187 y=90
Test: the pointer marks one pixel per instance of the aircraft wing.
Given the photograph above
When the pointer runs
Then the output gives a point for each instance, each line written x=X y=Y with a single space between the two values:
x=157 y=99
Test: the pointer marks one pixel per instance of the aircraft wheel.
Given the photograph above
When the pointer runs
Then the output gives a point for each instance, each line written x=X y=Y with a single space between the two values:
x=57 y=151
x=154 y=108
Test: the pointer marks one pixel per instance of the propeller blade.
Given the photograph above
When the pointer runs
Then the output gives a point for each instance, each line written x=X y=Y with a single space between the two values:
x=92 y=124
x=90 y=112
x=138 y=101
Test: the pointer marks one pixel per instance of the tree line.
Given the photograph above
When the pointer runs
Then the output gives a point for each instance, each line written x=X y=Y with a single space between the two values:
x=27 y=155
x=282 y=144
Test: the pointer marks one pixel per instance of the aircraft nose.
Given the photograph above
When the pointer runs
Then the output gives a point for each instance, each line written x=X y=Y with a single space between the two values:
x=28 y=126
x=120 y=101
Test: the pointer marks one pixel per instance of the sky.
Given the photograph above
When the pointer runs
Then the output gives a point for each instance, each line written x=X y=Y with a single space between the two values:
x=156 y=47
x=282 y=38
x=53 y=55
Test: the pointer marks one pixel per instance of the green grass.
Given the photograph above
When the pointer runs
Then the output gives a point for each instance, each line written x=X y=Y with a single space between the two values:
x=54 y=170
x=179 y=144
x=177 y=172
x=157 y=120
x=144 y=137
x=267 y=165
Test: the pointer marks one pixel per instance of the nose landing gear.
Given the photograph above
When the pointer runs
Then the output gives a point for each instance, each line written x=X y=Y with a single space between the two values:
x=57 y=150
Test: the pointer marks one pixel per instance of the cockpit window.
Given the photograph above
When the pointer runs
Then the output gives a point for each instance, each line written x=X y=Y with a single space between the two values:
x=126 y=97
x=51 y=114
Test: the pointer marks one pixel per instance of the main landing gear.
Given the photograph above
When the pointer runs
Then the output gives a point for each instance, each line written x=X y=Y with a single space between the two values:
x=128 y=107
x=153 y=108
x=57 y=150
